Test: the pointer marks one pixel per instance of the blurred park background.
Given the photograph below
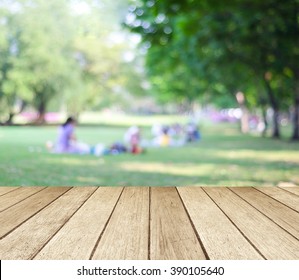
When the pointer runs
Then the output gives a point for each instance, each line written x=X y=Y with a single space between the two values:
x=231 y=67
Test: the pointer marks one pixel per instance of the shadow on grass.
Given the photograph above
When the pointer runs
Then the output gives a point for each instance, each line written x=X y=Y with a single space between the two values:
x=143 y=170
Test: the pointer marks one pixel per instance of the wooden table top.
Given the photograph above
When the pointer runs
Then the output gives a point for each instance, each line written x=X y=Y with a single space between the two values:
x=144 y=223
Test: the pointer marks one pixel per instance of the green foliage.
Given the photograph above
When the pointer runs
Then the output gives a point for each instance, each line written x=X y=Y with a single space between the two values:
x=236 y=45
x=72 y=51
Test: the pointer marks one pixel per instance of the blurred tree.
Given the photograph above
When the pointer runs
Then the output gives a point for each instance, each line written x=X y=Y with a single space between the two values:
x=101 y=49
x=72 y=50
x=228 y=45
x=39 y=60
x=9 y=85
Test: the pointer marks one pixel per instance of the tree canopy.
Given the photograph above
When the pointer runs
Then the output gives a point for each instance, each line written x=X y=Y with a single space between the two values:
x=72 y=53
x=221 y=48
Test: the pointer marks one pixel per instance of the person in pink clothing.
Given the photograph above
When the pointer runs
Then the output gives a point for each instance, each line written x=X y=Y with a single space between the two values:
x=133 y=138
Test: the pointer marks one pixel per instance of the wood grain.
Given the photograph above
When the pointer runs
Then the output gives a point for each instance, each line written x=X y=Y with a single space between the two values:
x=149 y=223
x=294 y=190
x=4 y=190
x=17 y=214
x=271 y=240
x=78 y=237
x=172 y=235
x=214 y=228
x=126 y=235
x=287 y=198
x=30 y=237
x=279 y=213
x=13 y=197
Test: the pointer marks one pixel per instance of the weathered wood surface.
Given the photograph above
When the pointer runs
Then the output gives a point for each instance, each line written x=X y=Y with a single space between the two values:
x=172 y=235
x=126 y=234
x=149 y=223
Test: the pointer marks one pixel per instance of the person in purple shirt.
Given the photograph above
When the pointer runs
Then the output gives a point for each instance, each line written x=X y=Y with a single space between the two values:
x=66 y=141
x=66 y=136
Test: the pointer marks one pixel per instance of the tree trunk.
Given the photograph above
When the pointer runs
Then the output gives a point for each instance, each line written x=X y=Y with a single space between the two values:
x=295 y=67
x=276 y=128
x=295 y=135
x=11 y=115
x=41 y=112
x=9 y=121
x=265 y=121
x=275 y=107
x=244 y=122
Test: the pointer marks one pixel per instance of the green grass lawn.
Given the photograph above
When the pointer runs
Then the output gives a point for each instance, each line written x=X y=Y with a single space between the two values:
x=222 y=158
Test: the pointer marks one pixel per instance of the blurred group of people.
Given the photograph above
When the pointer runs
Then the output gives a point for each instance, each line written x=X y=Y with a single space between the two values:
x=67 y=142
x=174 y=135
x=163 y=136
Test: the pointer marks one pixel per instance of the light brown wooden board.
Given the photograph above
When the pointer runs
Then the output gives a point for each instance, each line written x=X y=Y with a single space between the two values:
x=79 y=235
x=16 y=196
x=276 y=211
x=283 y=196
x=20 y=212
x=214 y=228
x=172 y=236
x=4 y=190
x=126 y=235
x=270 y=239
x=25 y=241
x=294 y=190
x=58 y=221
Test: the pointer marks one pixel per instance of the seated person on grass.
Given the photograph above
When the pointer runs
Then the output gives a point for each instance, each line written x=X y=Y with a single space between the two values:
x=66 y=140
x=133 y=139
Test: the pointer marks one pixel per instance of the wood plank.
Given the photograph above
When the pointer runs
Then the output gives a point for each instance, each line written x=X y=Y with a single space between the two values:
x=214 y=228
x=25 y=241
x=126 y=235
x=279 y=213
x=17 y=214
x=294 y=190
x=271 y=240
x=171 y=233
x=283 y=196
x=14 y=197
x=89 y=222
x=4 y=190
